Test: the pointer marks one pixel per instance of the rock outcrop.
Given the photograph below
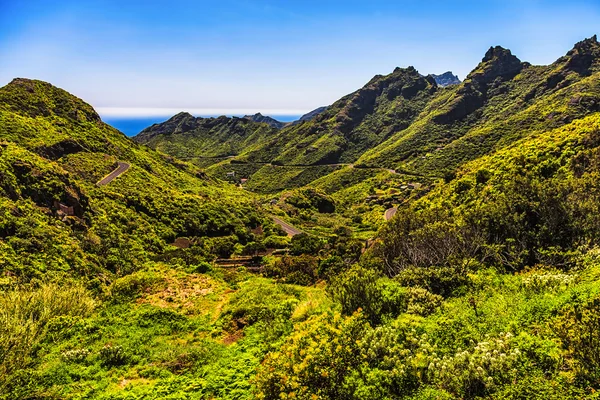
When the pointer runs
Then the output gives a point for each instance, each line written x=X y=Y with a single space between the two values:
x=446 y=79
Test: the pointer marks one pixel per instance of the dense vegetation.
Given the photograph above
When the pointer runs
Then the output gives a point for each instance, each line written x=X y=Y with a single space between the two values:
x=485 y=284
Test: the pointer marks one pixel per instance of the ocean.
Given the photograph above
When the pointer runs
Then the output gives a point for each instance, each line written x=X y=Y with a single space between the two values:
x=131 y=126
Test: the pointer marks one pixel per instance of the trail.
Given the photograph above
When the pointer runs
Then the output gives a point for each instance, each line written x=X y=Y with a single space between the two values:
x=120 y=170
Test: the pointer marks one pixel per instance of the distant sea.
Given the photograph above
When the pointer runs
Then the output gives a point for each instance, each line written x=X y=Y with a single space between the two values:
x=132 y=126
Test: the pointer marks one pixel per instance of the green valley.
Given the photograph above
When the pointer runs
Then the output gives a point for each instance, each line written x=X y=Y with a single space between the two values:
x=413 y=240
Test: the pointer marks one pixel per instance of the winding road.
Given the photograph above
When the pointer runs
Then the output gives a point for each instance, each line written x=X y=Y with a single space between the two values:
x=289 y=229
x=120 y=170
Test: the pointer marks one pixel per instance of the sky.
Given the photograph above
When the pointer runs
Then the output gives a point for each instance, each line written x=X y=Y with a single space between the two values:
x=132 y=58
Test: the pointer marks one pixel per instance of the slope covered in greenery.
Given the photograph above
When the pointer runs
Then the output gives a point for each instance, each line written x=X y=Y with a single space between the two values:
x=55 y=148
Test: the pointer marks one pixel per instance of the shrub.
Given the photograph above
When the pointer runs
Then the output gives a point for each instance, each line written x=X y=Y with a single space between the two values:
x=305 y=244
x=579 y=330
x=113 y=356
x=301 y=270
x=131 y=286
x=75 y=356
x=361 y=288
x=316 y=361
x=438 y=280
x=422 y=302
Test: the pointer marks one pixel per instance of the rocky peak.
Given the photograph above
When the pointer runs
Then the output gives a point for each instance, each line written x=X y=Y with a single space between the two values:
x=183 y=115
x=446 y=79
x=583 y=55
x=258 y=117
x=497 y=62
x=589 y=45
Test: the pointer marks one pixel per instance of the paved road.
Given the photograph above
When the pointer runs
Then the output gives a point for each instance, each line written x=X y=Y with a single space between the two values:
x=289 y=229
x=389 y=213
x=120 y=170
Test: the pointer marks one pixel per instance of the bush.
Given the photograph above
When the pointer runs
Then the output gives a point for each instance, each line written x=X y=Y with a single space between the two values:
x=438 y=280
x=579 y=331
x=305 y=244
x=360 y=288
x=75 y=356
x=132 y=286
x=113 y=356
x=301 y=270
x=422 y=302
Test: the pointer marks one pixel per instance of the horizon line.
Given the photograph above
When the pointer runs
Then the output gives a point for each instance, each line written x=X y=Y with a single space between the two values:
x=148 y=112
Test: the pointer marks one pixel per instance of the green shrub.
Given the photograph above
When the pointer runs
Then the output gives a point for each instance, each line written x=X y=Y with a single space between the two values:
x=301 y=270
x=422 y=302
x=132 y=286
x=579 y=330
x=75 y=355
x=438 y=280
x=113 y=356
x=364 y=289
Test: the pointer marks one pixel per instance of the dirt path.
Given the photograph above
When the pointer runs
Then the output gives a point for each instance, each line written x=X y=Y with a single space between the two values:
x=389 y=213
x=120 y=170
x=289 y=229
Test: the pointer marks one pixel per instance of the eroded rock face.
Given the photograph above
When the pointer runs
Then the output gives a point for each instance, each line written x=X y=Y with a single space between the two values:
x=584 y=55
x=446 y=79
x=60 y=149
x=405 y=82
x=497 y=66
x=47 y=189
x=497 y=62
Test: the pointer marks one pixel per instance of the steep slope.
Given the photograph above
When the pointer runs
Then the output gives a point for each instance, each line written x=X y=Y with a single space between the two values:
x=53 y=150
x=499 y=102
x=351 y=125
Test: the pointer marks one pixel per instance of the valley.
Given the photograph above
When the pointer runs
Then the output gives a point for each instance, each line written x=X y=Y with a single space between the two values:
x=420 y=238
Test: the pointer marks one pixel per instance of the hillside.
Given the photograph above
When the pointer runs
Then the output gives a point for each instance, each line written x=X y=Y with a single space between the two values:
x=186 y=136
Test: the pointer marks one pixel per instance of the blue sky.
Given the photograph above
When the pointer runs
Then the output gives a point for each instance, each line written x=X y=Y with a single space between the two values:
x=149 y=57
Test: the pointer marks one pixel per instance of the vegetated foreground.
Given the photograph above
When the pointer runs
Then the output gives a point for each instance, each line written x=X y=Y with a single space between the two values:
x=484 y=284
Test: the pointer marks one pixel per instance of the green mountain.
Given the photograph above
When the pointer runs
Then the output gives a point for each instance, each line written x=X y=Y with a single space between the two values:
x=186 y=136
x=265 y=119
x=405 y=121
x=54 y=148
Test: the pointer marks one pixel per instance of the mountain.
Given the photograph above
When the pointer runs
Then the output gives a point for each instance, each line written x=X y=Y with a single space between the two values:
x=54 y=148
x=500 y=101
x=186 y=136
x=405 y=121
x=310 y=115
x=258 y=117
x=446 y=79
